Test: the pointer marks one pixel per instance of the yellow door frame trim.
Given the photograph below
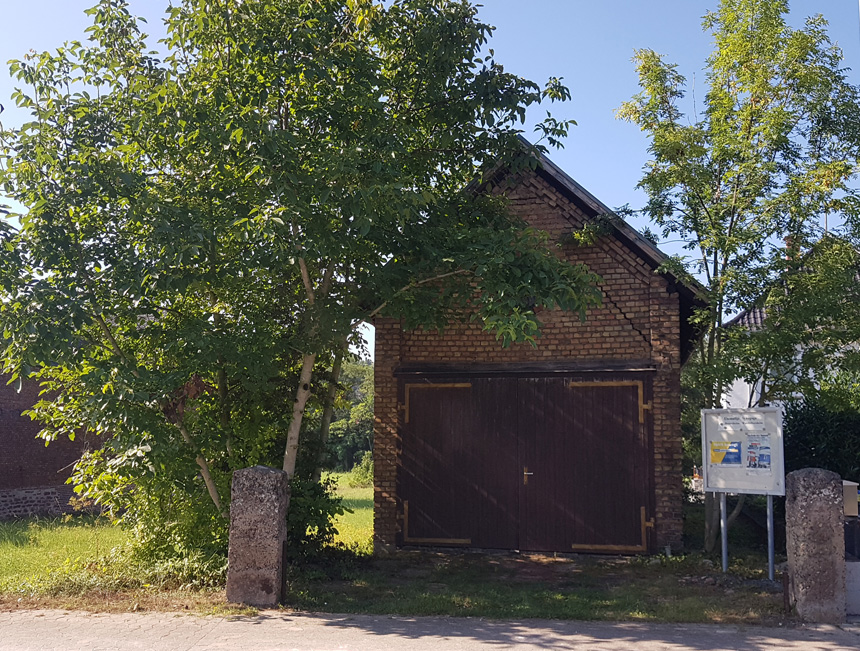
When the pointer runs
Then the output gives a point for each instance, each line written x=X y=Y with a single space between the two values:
x=408 y=540
x=622 y=549
x=424 y=385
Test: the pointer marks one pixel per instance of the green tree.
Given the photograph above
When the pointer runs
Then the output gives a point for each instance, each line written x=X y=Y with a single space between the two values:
x=773 y=148
x=206 y=230
x=352 y=429
x=811 y=324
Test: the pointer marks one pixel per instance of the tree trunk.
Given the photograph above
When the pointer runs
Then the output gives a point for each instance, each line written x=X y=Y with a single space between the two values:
x=712 y=518
x=713 y=399
x=224 y=407
x=737 y=510
x=712 y=521
x=204 y=471
x=328 y=410
x=303 y=392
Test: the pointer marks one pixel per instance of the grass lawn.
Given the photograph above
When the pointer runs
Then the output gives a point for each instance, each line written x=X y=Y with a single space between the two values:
x=63 y=563
x=355 y=529
x=70 y=563
x=504 y=585
x=32 y=549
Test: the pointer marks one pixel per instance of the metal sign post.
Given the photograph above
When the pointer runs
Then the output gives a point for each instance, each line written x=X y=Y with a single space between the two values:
x=724 y=531
x=770 y=537
x=742 y=452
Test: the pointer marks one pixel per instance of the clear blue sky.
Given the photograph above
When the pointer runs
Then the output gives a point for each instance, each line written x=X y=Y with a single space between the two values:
x=589 y=43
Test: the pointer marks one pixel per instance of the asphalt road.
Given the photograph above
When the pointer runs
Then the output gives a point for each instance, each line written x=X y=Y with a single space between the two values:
x=62 y=630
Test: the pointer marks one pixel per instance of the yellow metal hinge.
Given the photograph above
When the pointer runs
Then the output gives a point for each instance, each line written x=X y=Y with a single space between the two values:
x=640 y=388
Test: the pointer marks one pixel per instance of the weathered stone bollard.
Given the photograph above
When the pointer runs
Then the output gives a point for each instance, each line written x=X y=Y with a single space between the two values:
x=815 y=542
x=258 y=531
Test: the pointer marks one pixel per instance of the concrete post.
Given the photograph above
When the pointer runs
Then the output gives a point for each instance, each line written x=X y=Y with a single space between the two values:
x=815 y=542
x=258 y=532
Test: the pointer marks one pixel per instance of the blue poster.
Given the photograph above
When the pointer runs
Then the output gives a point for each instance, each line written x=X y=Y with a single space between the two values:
x=725 y=453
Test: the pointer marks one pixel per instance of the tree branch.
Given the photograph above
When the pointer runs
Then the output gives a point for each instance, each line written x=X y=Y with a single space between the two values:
x=417 y=284
x=306 y=280
x=99 y=319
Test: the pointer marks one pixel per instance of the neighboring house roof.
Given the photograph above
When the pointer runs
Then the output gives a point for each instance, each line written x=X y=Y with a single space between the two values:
x=752 y=319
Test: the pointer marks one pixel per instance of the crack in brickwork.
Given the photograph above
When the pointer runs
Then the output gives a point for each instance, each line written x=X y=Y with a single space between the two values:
x=645 y=337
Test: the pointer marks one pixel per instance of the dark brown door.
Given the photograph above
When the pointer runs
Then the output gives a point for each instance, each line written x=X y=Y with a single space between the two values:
x=542 y=464
x=458 y=458
x=583 y=447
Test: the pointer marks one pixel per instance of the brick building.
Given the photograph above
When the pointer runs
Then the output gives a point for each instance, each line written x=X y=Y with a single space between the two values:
x=32 y=476
x=574 y=445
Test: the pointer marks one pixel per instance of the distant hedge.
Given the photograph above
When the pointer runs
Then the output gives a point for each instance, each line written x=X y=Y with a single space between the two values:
x=819 y=437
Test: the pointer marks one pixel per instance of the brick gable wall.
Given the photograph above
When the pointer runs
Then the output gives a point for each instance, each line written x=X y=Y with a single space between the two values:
x=638 y=320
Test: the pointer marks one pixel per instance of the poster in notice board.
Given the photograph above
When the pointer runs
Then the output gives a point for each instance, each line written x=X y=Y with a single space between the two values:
x=742 y=451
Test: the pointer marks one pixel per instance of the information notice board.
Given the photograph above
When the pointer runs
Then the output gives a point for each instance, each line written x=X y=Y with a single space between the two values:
x=742 y=451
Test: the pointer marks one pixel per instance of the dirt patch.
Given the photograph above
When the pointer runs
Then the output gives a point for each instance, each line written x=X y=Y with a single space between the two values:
x=204 y=602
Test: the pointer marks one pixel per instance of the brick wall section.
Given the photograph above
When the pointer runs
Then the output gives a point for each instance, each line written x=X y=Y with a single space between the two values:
x=666 y=346
x=638 y=320
x=30 y=472
x=41 y=501
x=385 y=441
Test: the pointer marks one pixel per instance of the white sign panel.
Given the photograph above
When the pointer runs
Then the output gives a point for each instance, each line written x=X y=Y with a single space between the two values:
x=742 y=451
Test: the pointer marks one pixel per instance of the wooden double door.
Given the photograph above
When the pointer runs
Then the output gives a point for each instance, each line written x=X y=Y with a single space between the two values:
x=530 y=463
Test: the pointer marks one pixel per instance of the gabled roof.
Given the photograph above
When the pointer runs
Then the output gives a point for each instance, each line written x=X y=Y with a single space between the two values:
x=692 y=294
x=593 y=207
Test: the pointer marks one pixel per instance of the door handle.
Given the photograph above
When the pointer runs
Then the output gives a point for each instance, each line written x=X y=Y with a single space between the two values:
x=526 y=475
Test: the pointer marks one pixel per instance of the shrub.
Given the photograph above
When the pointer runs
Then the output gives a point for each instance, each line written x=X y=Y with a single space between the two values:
x=310 y=520
x=819 y=435
x=361 y=476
